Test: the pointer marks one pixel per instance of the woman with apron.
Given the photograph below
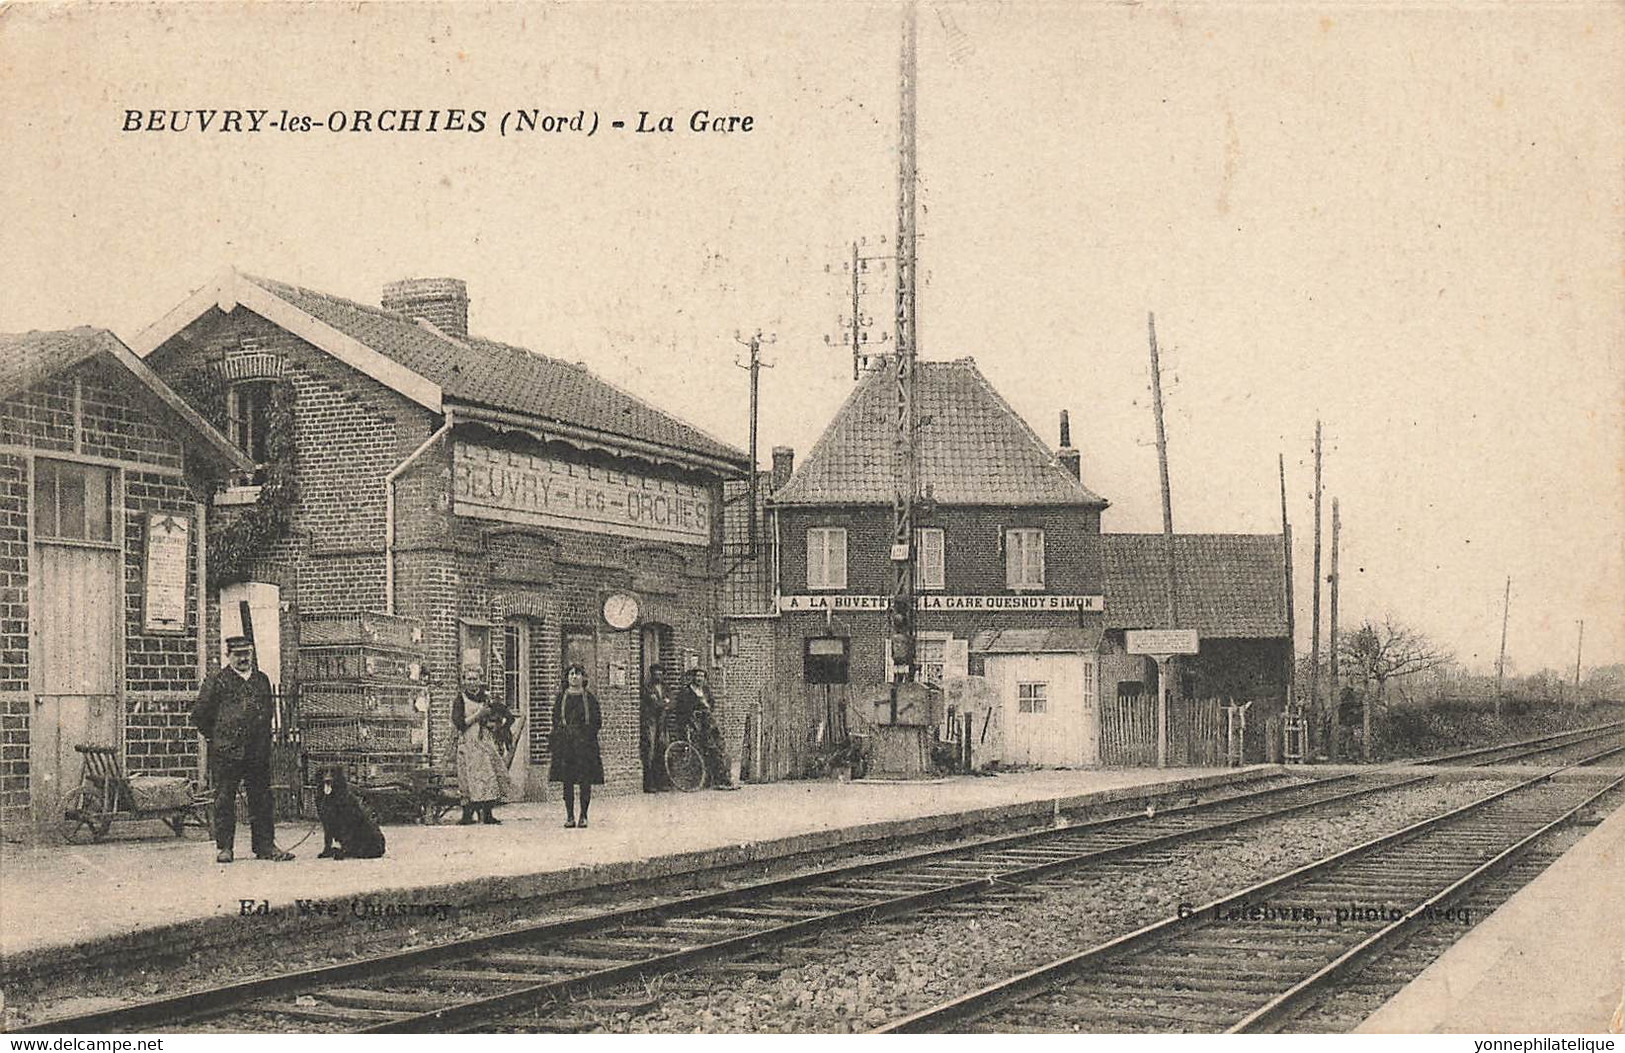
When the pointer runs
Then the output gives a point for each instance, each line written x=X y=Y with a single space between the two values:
x=482 y=770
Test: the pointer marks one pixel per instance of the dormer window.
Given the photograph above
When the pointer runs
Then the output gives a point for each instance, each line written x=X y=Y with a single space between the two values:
x=248 y=414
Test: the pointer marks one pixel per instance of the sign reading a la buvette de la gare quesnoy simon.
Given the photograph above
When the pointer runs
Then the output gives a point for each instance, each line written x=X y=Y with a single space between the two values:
x=935 y=602
x=519 y=488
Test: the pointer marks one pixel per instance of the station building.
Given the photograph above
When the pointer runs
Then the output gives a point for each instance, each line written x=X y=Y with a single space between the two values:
x=420 y=498
x=105 y=478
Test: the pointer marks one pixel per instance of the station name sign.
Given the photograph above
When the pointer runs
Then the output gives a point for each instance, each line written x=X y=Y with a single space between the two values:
x=519 y=488
x=933 y=602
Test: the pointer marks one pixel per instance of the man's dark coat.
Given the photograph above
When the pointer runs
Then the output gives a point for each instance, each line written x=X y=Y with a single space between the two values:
x=234 y=714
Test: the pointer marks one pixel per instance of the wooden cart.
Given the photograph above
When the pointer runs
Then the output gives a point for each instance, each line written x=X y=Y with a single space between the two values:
x=105 y=794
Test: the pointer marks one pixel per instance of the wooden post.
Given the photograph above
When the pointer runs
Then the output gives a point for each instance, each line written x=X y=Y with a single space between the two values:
x=1336 y=702
x=1162 y=710
x=1501 y=662
x=1286 y=559
x=1315 y=715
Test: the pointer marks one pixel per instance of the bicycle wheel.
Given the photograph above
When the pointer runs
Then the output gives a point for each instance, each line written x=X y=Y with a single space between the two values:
x=81 y=813
x=685 y=766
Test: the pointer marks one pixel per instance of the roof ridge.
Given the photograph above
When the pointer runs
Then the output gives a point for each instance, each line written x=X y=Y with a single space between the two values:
x=490 y=347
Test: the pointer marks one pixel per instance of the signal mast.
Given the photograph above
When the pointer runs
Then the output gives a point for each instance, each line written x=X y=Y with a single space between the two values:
x=905 y=452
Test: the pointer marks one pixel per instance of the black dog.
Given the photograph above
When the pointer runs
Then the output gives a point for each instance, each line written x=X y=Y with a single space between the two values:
x=345 y=820
x=499 y=720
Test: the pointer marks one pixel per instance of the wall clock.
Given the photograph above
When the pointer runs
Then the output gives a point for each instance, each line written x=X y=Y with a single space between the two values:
x=620 y=610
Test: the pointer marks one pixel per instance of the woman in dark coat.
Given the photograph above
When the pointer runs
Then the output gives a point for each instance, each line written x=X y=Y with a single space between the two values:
x=576 y=760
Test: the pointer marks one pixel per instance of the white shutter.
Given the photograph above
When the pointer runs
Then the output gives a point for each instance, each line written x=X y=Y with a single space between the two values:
x=817 y=565
x=956 y=661
x=1012 y=558
x=1035 y=558
x=837 y=557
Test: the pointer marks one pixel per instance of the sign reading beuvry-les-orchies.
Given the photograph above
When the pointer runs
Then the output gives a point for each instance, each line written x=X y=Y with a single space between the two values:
x=519 y=488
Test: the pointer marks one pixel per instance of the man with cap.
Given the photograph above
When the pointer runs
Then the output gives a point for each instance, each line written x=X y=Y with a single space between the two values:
x=234 y=714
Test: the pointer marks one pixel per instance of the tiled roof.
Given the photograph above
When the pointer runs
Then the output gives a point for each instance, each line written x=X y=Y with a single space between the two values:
x=28 y=358
x=502 y=377
x=1059 y=639
x=974 y=449
x=1230 y=585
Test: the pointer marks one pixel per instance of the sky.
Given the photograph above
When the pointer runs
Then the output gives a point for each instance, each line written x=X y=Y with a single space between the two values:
x=1406 y=222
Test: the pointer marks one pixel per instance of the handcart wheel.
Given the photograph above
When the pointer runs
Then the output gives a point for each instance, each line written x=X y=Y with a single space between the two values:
x=685 y=766
x=81 y=813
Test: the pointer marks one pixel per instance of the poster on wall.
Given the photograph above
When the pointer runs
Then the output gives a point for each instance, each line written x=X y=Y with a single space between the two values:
x=164 y=599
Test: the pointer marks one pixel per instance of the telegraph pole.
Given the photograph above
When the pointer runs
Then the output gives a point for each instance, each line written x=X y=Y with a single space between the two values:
x=1289 y=713
x=854 y=330
x=756 y=366
x=1578 y=646
x=1501 y=662
x=1316 y=716
x=1162 y=469
x=905 y=460
x=1337 y=717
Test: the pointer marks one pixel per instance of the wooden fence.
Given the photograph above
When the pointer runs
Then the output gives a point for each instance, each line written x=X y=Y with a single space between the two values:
x=1128 y=732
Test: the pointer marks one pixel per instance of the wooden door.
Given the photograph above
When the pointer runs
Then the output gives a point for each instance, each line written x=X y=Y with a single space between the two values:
x=1042 y=703
x=76 y=655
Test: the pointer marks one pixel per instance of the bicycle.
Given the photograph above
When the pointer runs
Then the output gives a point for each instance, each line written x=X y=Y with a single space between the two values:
x=684 y=760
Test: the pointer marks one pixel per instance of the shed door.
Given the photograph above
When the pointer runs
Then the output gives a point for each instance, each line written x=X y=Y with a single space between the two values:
x=1043 y=709
x=76 y=627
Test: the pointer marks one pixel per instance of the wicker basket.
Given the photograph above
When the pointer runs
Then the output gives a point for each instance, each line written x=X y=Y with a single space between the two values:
x=345 y=733
x=360 y=627
x=355 y=662
x=366 y=701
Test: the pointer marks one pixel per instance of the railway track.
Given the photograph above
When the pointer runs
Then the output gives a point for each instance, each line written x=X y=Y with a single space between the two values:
x=1253 y=959
x=464 y=984
x=1555 y=748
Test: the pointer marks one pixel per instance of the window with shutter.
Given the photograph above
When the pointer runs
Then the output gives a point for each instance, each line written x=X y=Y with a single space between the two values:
x=1024 y=558
x=931 y=558
x=826 y=558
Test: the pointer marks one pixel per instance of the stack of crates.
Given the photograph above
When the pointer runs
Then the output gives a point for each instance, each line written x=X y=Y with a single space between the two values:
x=363 y=694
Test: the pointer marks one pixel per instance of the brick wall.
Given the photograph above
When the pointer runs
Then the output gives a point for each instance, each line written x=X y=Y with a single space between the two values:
x=159 y=738
x=14 y=713
x=40 y=416
x=115 y=424
x=745 y=675
x=13 y=573
x=973 y=547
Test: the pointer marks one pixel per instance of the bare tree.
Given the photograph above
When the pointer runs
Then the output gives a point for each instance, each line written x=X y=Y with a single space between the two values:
x=1380 y=653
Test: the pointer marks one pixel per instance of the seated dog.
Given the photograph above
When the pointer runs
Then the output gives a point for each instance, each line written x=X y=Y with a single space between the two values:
x=348 y=829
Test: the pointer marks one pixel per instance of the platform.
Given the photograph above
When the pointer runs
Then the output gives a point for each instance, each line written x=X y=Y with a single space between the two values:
x=146 y=889
x=1550 y=960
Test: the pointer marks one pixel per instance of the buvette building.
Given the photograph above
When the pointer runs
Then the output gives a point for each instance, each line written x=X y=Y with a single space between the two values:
x=1023 y=604
x=421 y=499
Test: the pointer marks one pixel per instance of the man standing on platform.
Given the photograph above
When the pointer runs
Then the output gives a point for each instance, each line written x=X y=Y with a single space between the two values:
x=694 y=707
x=234 y=714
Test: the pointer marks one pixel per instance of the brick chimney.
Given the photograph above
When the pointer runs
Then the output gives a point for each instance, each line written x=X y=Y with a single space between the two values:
x=442 y=302
x=784 y=463
x=1070 y=458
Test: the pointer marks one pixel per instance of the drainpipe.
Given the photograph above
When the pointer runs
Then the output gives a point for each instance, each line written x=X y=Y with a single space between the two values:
x=389 y=512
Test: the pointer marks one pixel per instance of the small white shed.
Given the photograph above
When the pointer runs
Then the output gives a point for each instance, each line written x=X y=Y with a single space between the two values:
x=1046 y=682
